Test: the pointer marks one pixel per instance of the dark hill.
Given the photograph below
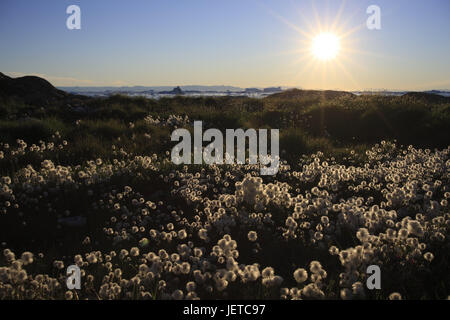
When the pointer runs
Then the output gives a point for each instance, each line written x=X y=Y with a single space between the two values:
x=2 y=76
x=427 y=97
x=321 y=94
x=31 y=90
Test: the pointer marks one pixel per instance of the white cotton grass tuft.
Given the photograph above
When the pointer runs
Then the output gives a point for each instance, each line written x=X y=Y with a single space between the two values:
x=300 y=275
x=350 y=214
x=395 y=296
x=252 y=236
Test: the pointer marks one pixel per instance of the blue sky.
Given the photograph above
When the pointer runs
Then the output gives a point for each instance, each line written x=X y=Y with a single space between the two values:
x=234 y=42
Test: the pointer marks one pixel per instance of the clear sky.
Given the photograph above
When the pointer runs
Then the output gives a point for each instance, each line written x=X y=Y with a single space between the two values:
x=247 y=43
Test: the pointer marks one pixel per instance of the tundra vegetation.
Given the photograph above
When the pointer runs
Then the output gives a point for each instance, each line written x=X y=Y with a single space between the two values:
x=362 y=180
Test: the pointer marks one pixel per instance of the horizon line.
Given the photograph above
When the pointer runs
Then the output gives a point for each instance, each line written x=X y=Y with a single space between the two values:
x=286 y=87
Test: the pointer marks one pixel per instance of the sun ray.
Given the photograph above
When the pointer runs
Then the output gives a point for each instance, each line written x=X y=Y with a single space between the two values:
x=338 y=15
x=353 y=30
x=342 y=67
x=327 y=46
x=285 y=21
x=316 y=17
x=349 y=50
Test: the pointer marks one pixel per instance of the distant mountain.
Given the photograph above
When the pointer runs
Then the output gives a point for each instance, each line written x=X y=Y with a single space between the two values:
x=157 y=89
x=37 y=91
x=167 y=90
x=175 y=91
x=252 y=90
x=272 y=89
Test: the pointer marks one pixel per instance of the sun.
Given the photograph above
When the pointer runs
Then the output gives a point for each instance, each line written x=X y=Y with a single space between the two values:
x=325 y=46
x=324 y=50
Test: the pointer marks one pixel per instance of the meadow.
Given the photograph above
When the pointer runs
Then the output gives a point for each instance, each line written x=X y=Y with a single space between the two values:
x=364 y=180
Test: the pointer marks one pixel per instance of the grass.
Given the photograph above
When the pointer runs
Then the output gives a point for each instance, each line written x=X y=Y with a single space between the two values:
x=331 y=122
x=307 y=122
x=337 y=125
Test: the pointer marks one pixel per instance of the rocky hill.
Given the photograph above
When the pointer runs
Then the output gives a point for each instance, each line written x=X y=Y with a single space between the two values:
x=33 y=90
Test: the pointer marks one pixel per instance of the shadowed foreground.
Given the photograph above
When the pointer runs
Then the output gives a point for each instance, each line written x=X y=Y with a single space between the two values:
x=364 y=181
